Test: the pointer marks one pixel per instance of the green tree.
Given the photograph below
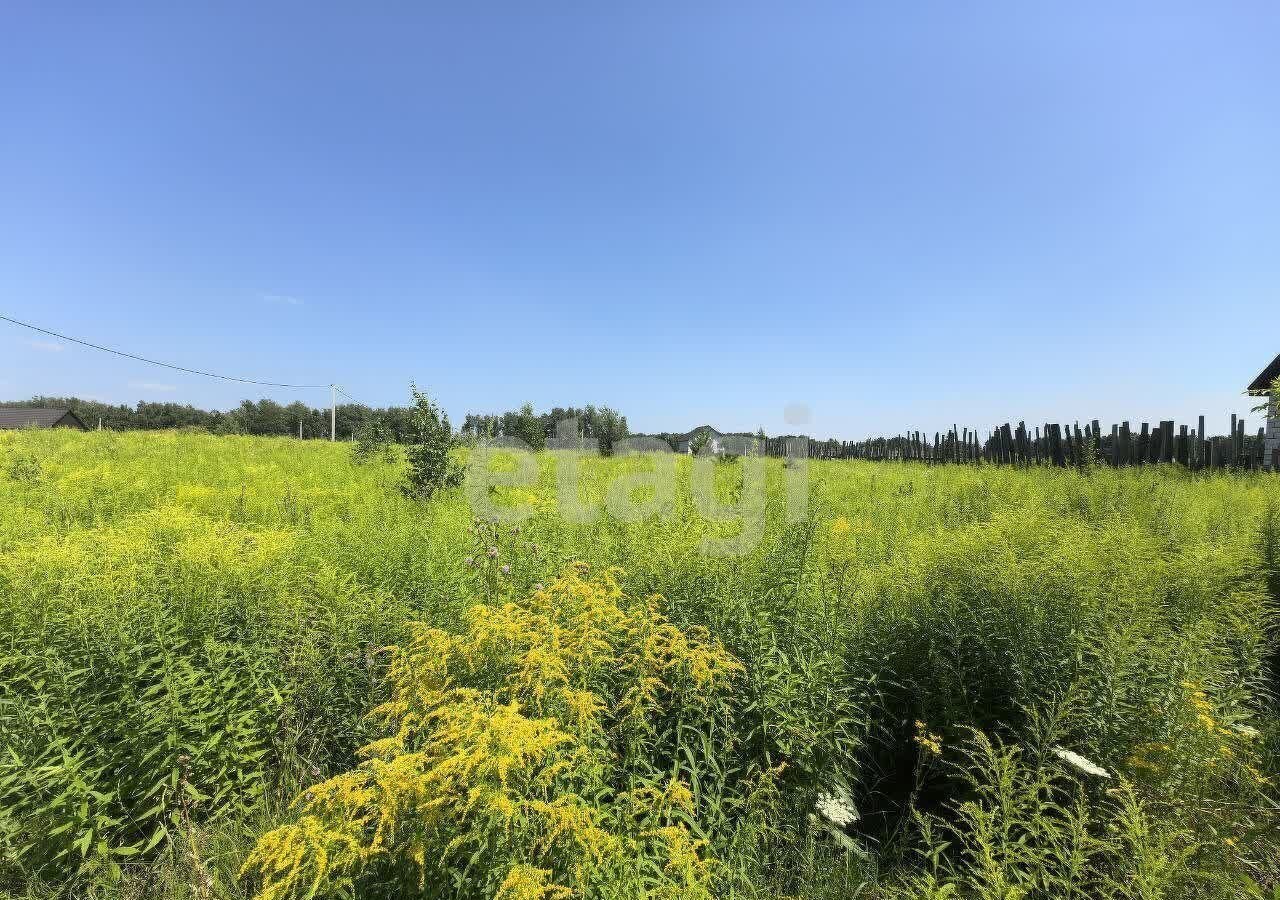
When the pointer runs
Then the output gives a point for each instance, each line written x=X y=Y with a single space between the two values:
x=528 y=428
x=699 y=441
x=610 y=426
x=430 y=465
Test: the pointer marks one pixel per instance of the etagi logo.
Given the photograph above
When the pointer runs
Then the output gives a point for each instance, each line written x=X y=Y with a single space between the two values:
x=647 y=484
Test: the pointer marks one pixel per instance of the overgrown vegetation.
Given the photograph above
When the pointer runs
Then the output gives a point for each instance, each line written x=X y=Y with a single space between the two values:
x=243 y=666
x=538 y=752
x=374 y=439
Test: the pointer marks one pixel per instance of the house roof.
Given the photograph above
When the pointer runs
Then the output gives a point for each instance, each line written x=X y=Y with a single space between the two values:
x=38 y=417
x=707 y=428
x=1262 y=384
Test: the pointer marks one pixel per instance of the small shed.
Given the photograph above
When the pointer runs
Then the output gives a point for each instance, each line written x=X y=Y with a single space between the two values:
x=12 y=417
x=1261 y=387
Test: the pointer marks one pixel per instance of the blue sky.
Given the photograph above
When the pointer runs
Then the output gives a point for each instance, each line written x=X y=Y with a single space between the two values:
x=900 y=215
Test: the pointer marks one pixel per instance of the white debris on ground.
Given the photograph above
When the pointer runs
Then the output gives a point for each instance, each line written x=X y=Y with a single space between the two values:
x=1075 y=760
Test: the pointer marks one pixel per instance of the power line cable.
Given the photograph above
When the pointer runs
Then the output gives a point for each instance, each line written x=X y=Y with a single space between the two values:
x=156 y=362
x=339 y=389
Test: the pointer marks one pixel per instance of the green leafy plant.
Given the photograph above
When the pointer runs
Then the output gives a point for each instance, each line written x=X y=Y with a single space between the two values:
x=1037 y=824
x=431 y=467
x=513 y=764
x=23 y=467
x=374 y=440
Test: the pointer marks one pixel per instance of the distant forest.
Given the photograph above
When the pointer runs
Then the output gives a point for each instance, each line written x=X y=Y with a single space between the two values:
x=263 y=417
x=600 y=425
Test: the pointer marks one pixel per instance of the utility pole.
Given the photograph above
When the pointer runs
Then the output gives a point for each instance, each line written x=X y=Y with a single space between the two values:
x=299 y=428
x=333 y=412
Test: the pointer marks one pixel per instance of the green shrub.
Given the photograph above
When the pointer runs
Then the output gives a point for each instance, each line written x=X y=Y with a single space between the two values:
x=430 y=465
x=374 y=440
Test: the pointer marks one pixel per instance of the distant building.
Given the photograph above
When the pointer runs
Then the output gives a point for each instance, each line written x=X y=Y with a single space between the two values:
x=714 y=440
x=12 y=417
x=1261 y=387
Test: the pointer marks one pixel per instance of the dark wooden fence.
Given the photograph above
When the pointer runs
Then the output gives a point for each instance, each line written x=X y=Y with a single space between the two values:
x=1054 y=444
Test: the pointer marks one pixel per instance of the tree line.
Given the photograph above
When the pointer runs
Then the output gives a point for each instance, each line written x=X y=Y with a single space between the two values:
x=262 y=417
x=599 y=425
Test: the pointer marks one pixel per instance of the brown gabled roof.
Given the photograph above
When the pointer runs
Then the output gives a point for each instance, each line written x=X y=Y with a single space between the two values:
x=1262 y=384
x=38 y=417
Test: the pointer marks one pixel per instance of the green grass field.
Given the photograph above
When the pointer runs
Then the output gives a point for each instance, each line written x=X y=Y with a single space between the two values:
x=907 y=692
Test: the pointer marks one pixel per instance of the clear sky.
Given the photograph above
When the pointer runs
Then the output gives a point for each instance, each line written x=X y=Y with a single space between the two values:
x=899 y=214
